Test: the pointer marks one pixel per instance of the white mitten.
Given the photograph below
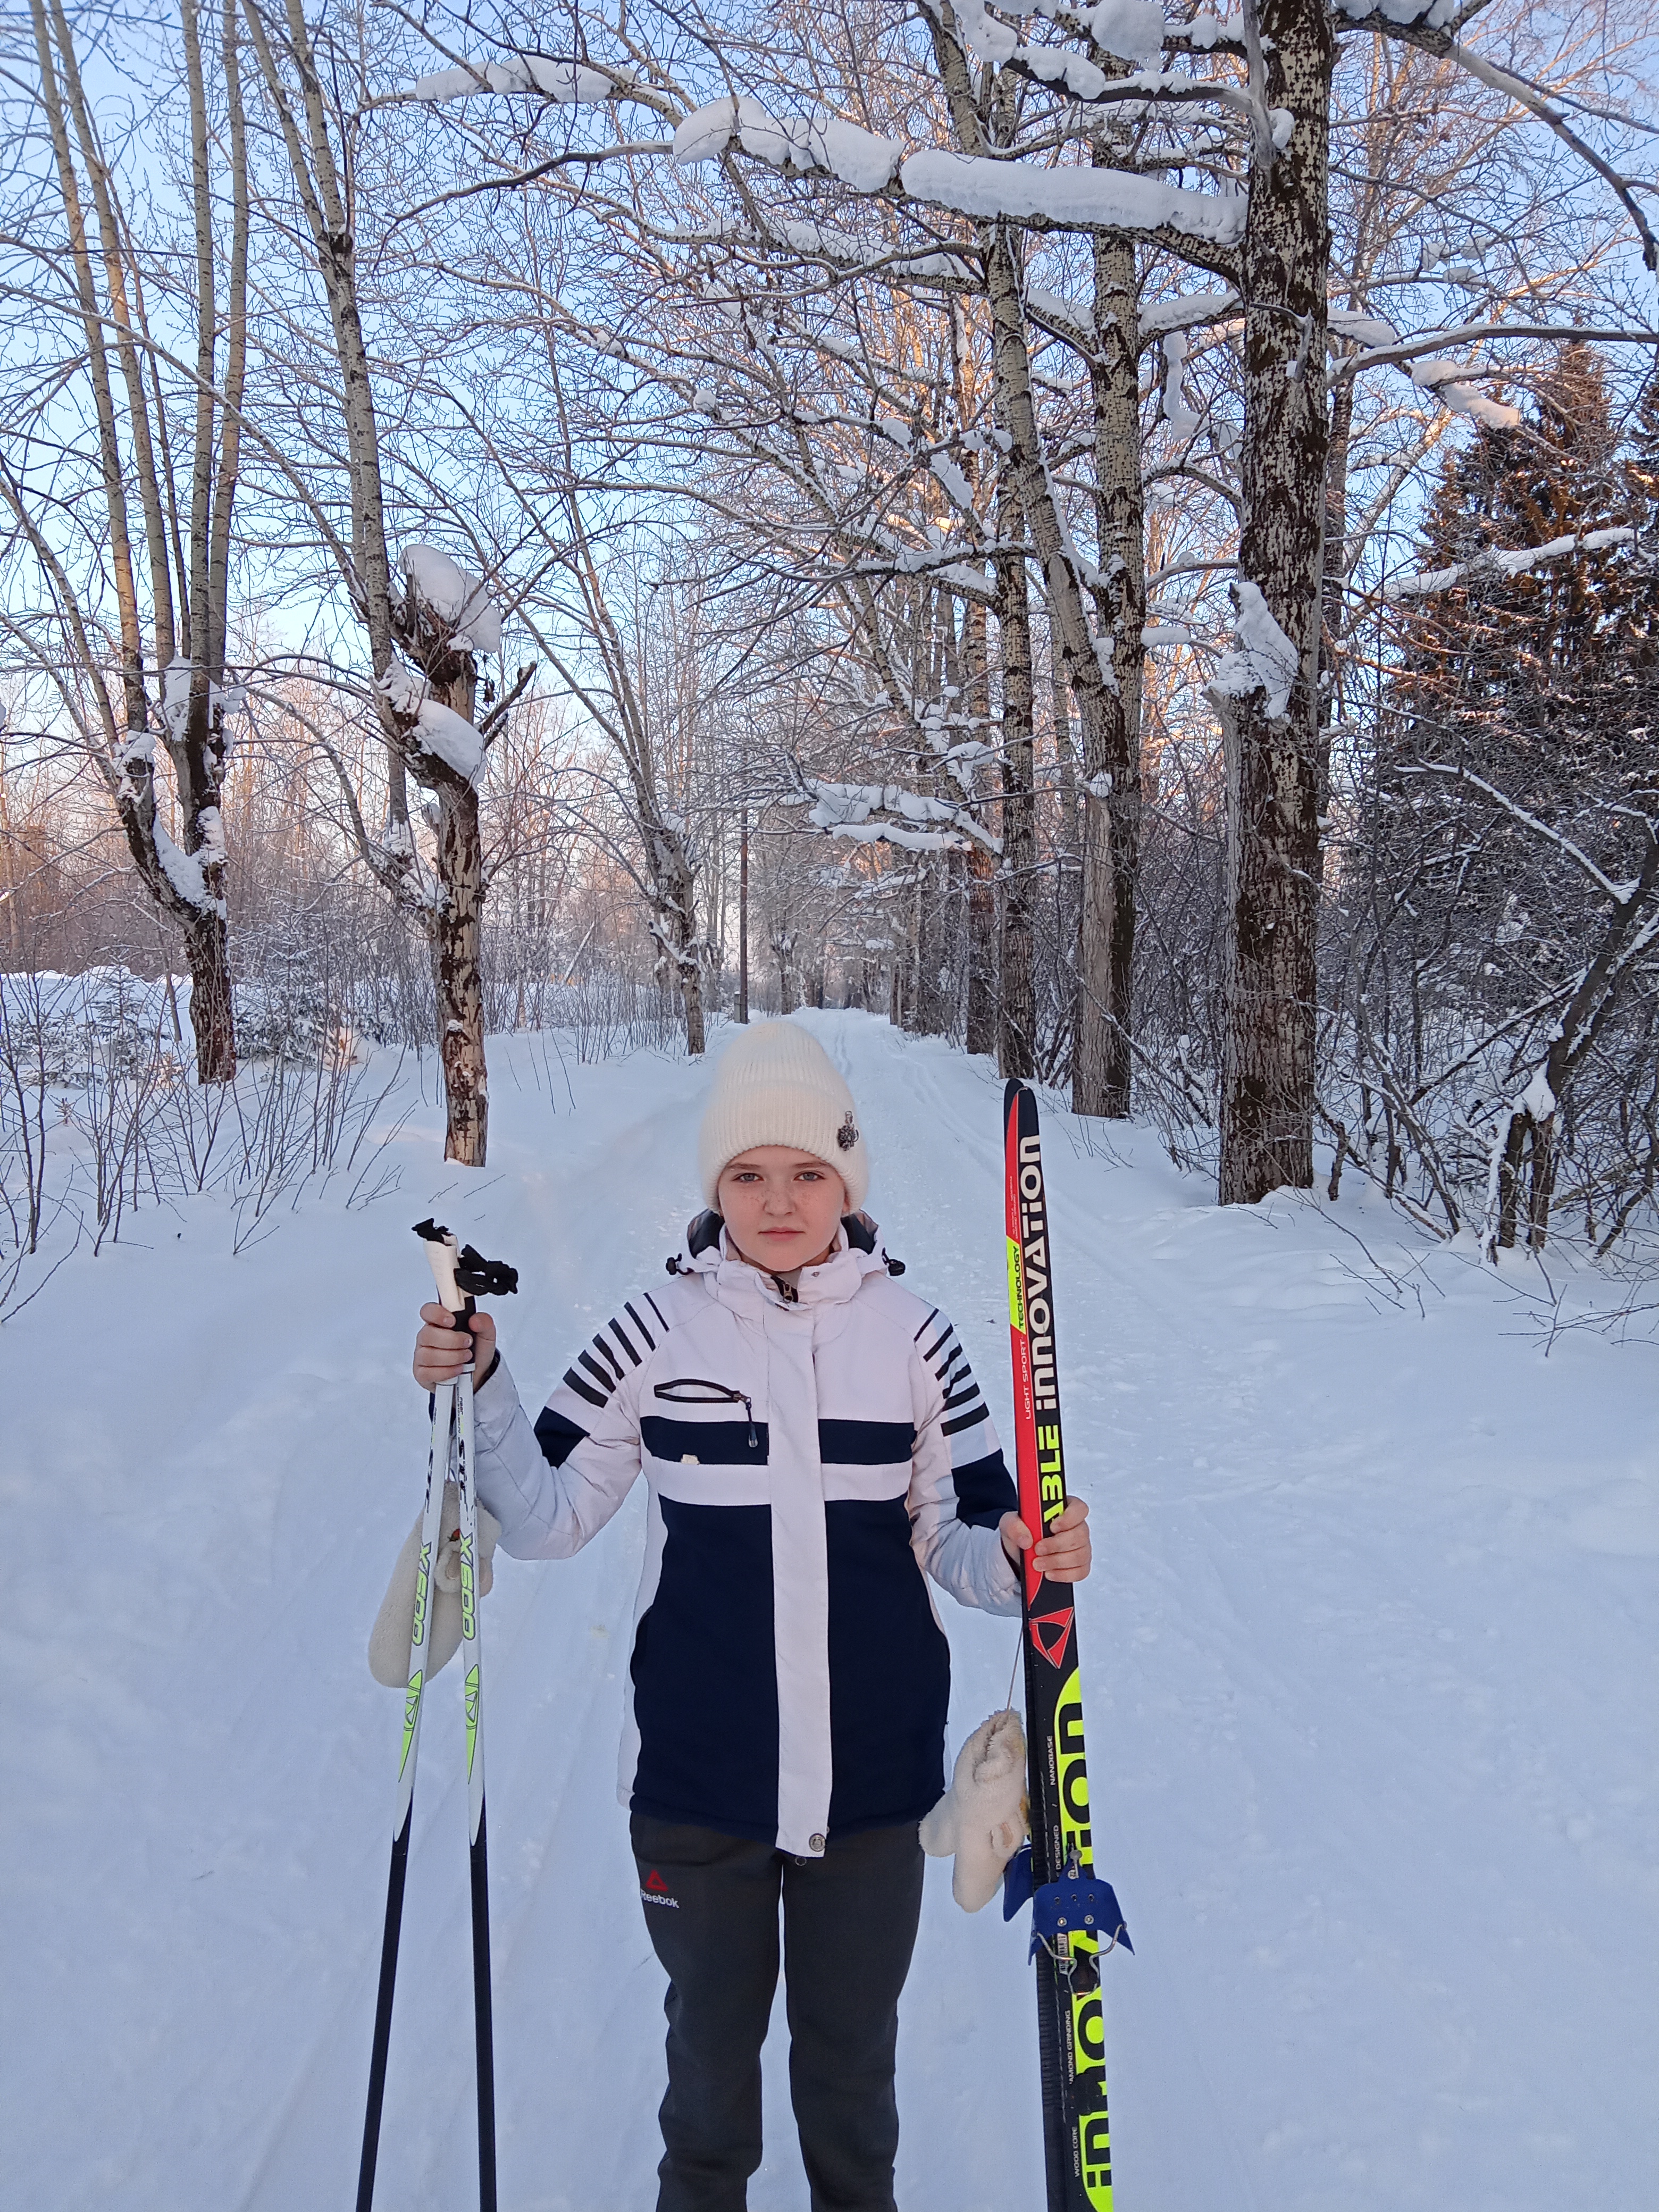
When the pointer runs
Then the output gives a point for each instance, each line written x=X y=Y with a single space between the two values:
x=388 y=1641
x=981 y=1816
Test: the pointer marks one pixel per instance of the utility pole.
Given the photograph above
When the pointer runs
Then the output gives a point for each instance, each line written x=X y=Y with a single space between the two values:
x=743 y=889
x=743 y=918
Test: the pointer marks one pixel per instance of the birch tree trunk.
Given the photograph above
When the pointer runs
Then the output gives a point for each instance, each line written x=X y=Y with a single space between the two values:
x=201 y=750
x=187 y=611
x=455 y=934
x=1268 y=710
x=783 y=951
x=1100 y=1063
x=984 y=981
x=1111 y=835
x=388 y=617
x=932 y=1007
x=1016 y=1028
x=676 y=893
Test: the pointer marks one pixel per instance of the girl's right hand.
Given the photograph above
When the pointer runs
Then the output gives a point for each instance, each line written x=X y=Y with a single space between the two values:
x=444 y=1350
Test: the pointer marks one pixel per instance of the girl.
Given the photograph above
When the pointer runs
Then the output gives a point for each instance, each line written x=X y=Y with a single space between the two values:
x=816 y=1445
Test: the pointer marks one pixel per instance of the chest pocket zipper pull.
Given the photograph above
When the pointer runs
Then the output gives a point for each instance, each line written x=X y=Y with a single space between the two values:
x=696 y=1390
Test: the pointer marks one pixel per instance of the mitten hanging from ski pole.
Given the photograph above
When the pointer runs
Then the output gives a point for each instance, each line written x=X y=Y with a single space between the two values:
x=388 y=1641
x=980 y=1818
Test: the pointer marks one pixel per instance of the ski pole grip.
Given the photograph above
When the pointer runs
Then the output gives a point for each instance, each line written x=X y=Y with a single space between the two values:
x=442 y=1254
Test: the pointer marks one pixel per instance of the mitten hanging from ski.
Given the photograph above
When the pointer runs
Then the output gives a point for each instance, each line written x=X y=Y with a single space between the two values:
x=388 y=1641
x=981 y=1816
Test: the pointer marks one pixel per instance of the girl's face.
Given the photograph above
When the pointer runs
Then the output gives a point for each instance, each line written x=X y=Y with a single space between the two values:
x=782 y=1208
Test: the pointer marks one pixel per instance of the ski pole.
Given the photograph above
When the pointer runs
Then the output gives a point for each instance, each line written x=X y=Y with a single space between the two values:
x=477 y=1849
x=460 y=1278
x=437 y=1466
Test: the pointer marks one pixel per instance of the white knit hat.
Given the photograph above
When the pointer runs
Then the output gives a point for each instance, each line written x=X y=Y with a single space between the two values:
x=776 y=1084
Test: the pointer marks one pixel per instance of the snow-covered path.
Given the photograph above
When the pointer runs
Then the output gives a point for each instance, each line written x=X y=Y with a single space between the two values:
x=1368 y=1657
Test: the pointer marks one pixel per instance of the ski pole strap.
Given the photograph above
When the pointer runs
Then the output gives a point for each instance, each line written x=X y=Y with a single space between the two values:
x=462 y=1272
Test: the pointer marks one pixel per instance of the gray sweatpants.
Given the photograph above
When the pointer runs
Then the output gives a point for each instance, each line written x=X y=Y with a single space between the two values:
x=849 y=1926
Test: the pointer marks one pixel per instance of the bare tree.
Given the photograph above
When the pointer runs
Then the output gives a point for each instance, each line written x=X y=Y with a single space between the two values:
x=425 y=713
x=159 y=667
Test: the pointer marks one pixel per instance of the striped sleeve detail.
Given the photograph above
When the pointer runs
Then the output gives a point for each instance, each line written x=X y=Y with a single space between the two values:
x=616 y=1350
x=572 y=1381
x=963 y=1404
x=984 y=1488
x=619 y=1335
x=960 y=1487
x=958 y=1422
x=606 y=1375
x=942 y=1351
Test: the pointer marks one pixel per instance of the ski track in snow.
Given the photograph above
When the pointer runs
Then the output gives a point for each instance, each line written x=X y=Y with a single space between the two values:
x=1369 y=1659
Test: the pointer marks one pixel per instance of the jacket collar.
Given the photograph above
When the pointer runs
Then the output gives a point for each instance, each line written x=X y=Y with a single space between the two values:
x=747 y=1289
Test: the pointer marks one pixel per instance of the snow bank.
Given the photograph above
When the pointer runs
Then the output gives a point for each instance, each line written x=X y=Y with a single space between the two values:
x=1131 y=29
x=859 y=158
x=1366 y=1656
x=845 y=810
x=1113 y=198
x=1190 y=307
x=1180 y=418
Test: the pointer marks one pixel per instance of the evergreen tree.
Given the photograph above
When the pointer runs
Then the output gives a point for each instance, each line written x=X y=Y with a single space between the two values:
x=1495 y=982
x=1533 y=680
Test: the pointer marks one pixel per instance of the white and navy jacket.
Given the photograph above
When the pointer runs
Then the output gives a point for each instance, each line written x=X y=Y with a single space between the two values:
x=810 y=1462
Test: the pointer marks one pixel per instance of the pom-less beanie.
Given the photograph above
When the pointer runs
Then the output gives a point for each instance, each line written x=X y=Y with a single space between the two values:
x=776 y=1084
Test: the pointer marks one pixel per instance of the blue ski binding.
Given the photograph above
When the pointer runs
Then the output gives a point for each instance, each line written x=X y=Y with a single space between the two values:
x=1076 y=1905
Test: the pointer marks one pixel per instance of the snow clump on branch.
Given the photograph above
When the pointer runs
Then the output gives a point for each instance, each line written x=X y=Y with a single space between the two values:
x=1263 y=659
x=437 y=730
x=1497 y=561
x=843 y=810
x=569 y=84
x=185 y=871
x=969 y=185
x=859 y=158
x=459 y=601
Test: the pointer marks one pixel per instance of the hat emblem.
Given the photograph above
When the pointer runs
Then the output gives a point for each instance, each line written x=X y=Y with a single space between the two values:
x=848 y=1135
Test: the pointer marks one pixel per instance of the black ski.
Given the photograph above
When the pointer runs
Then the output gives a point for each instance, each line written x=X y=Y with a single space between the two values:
x=1072 y=1911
